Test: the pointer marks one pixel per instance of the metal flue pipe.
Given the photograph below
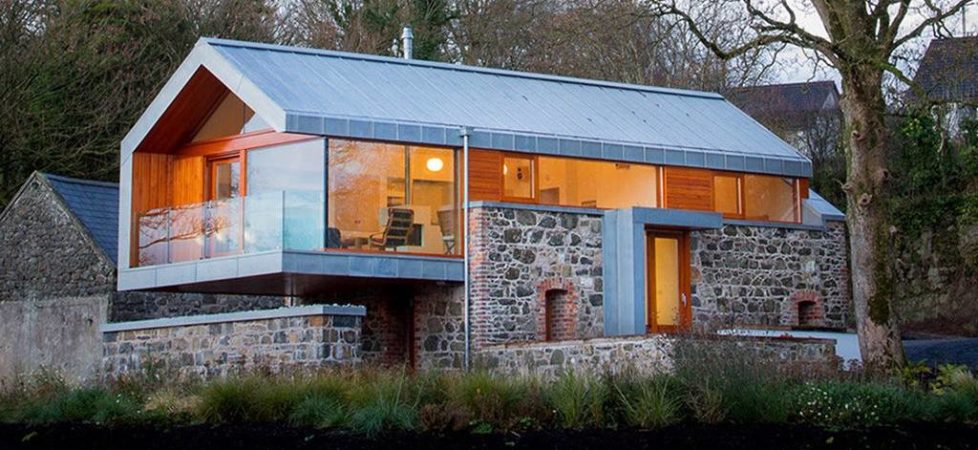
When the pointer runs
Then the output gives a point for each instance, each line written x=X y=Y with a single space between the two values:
x=407 y=42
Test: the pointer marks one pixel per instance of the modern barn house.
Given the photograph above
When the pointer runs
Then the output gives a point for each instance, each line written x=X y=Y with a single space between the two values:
x=467 y=214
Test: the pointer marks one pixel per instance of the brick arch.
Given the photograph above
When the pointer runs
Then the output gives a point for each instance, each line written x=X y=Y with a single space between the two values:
x=556 y=310
x=805 y=308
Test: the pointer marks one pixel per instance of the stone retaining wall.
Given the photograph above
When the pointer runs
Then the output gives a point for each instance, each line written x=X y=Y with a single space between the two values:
x=647 y=354
x=760 y=275
x=307 y=337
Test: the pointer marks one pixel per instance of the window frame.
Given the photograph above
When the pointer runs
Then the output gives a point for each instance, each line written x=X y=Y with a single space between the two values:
x=534 y=160
x=741 y=193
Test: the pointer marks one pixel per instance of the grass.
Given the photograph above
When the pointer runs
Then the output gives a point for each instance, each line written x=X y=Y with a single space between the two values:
x=373 y=401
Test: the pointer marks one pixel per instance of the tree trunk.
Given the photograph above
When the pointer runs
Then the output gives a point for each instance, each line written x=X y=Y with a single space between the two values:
x=870 y=238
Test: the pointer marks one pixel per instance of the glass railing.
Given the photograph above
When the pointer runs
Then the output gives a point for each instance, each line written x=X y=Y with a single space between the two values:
x=283 y=220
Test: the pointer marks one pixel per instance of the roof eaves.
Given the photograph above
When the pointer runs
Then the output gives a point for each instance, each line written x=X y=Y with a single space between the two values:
x=546 y=144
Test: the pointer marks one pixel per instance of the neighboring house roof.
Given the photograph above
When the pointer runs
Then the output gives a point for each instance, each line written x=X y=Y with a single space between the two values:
x=787 y=106
x=353 y=95
x=948 y=71
x=96 y=206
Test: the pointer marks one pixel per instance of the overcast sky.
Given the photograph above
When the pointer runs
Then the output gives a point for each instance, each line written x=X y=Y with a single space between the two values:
x=796 y=67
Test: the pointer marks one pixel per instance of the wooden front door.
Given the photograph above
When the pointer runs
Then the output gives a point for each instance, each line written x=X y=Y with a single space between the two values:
x=668 y=299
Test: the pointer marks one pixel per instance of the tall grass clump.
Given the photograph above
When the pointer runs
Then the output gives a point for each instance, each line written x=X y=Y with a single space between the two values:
x=650 y=402
x=492 y=402
x=382 y=402
x=261 y=398
x=724 y=381
x=578 y=401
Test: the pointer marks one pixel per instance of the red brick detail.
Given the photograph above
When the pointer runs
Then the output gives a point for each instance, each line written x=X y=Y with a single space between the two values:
x=556 y=310
x=385 y=331
x=806 y=309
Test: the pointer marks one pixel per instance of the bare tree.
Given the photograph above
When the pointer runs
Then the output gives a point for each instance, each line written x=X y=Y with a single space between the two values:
x=861 y=39
x=603 y=39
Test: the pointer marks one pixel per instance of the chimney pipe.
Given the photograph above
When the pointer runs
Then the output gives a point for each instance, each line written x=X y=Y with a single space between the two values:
x=407 y=42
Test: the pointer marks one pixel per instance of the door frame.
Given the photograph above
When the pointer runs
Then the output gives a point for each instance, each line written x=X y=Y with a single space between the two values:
x=211 y=163
x=685 y=284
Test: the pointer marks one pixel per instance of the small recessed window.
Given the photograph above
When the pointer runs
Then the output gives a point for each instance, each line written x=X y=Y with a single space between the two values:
x=519 y=177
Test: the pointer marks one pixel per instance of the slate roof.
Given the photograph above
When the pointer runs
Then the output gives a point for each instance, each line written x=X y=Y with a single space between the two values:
x=96 y=205
x=333 y=93
x=948 y=71
x=787 y=105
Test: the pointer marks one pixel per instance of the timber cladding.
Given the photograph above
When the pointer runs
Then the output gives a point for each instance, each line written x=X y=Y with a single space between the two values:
x=485 y=175
x=688 y=188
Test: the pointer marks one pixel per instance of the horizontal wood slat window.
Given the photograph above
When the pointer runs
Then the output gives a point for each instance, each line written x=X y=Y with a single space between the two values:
x=689 y=188
x=485 y=175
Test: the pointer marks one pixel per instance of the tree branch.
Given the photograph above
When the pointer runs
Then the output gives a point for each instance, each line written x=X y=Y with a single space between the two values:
x=937 y=18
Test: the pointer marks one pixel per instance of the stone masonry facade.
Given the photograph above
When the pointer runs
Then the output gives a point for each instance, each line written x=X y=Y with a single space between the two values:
x=765 y=276
x=232 y=345
x=649 y=354
x=44 y=252
x=519 y=259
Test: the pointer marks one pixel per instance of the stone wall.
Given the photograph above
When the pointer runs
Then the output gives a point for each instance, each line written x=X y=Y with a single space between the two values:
x=758 y=275
x=308 y=337
x=937 y=282
x=439 y=327
x=646 y=354
x=517 y=255
x=45 y=253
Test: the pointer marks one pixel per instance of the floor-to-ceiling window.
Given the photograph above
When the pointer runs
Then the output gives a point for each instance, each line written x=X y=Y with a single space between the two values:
x=392 y=197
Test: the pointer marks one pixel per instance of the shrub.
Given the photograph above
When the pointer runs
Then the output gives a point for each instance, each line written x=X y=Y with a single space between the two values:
x=82 y=405
x=650 y=403
x=848 y=404
x=726 y=381
x=952 y=377
x=577 y=400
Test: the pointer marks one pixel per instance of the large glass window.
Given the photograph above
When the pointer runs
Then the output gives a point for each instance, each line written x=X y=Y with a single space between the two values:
x=285 y=201
x=392 y=197
x=770 y=198
x=596 y=184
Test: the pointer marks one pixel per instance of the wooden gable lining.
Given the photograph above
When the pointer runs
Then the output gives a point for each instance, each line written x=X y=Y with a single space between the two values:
x=189 y=109
x=688 y=188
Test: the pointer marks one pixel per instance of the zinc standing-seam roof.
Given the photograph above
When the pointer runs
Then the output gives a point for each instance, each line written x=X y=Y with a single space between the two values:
x=363 y=96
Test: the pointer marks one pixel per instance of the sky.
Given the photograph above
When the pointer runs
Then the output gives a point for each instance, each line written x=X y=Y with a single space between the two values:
x=796 y=67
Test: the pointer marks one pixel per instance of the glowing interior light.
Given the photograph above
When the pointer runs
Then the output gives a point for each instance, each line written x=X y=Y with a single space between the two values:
x=435 y=164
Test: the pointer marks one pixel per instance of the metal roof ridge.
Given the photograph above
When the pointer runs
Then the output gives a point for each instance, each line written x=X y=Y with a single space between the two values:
x=462 y=68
